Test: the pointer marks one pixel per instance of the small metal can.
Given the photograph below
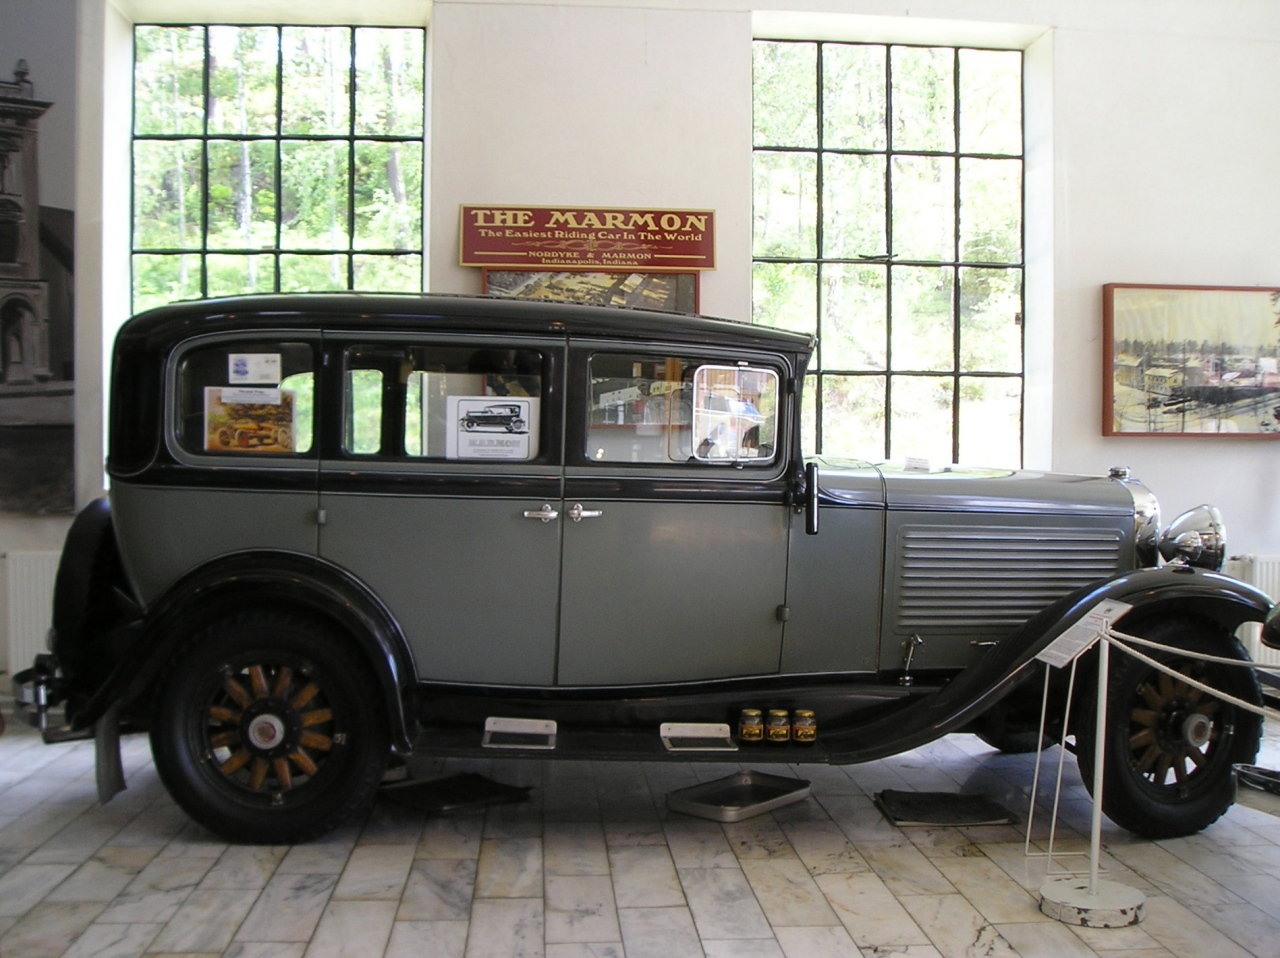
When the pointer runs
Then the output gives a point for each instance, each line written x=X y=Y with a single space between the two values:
x=778 y=727
x=751 y=726
x=804 y=727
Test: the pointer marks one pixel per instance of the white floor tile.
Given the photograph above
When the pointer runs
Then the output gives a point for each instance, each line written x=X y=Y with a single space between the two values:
x=596 y=866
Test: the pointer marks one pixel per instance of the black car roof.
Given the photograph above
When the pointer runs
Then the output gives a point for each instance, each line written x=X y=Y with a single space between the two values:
x=426 y=311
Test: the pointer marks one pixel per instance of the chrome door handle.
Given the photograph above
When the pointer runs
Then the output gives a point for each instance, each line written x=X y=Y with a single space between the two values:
x=577 y=513
x=546 y=513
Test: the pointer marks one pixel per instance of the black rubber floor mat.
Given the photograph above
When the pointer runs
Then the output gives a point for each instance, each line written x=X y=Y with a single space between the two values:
x=941 y=808
x=465 y=790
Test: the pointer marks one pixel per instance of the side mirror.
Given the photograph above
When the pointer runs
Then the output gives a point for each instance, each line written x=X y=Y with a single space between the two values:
x=811 y=499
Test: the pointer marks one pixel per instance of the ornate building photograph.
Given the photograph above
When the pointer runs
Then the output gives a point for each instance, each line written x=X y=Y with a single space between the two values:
x=36 y=341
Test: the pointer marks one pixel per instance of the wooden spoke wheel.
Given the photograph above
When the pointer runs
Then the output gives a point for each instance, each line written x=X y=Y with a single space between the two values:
x=1174 y=728
x=269 y=728
x=1171 y=747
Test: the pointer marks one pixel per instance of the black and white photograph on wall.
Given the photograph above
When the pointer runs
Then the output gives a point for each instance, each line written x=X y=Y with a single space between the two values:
x=36 y=331
x=1191 y=360
x=670 y=291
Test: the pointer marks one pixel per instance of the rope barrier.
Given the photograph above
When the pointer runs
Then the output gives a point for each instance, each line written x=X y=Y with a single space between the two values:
x=1064 y=900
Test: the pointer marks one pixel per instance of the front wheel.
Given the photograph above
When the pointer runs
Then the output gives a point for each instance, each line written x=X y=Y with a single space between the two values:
x=269 y=729
x=1170 y=746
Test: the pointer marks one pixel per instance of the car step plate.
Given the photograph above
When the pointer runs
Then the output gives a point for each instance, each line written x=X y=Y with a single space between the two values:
x=697 y=737
x=500 y=732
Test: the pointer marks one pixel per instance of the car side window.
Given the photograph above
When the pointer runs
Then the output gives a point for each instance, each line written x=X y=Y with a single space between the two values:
x=651 y=408
x=246 y=398
x=444 y=402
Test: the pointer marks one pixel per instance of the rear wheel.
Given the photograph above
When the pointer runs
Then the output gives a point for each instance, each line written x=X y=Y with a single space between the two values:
x=1170 y=746
x=269 y=729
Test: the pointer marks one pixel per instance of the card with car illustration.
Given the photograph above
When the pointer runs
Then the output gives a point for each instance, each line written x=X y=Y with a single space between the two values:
x=491 y=427
x=248 y=419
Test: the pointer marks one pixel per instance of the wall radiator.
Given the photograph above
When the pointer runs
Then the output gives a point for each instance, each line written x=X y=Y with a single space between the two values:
x=1264 y=573
x=27 y=600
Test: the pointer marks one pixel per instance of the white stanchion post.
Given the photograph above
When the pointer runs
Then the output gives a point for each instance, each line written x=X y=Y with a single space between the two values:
x=1095 y=903
x=1099 y=756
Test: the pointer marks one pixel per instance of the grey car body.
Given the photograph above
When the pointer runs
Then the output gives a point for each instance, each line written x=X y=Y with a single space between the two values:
x=656 y=553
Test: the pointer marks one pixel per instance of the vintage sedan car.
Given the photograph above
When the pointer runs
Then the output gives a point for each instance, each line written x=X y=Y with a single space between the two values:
x=286 y=621
x=506 y=417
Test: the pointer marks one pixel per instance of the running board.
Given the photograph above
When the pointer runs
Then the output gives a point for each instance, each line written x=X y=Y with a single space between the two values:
x=518 y=733
x=696 y=737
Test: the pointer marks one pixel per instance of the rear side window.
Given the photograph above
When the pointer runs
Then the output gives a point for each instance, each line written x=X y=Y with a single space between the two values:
x=246 y=398
x=444 y=402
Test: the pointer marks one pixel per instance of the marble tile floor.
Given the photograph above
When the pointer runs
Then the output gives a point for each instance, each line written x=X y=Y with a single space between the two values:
x=596 y=866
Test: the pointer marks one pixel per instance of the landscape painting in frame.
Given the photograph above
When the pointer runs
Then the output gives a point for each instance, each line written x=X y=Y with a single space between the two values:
x=1191 y=360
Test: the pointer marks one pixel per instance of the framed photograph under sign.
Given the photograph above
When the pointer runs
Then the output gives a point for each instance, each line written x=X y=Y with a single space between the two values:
x=671 y=291
x=1191 y=360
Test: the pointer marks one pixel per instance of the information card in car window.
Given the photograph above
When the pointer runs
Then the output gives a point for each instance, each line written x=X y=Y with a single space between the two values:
x=492 y=427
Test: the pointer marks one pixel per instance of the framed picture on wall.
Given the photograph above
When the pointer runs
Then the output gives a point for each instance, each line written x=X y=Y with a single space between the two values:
x=671 y=291
x=1191 y=360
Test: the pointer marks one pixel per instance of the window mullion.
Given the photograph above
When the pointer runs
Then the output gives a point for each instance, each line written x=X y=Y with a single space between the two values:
x=352 y=79
x=278 y=182
x=207 y=94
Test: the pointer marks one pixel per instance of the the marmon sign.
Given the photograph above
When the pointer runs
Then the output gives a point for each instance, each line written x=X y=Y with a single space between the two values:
x=556 y=237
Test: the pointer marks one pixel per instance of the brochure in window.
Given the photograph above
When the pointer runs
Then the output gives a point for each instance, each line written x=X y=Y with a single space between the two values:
x=243 y=419
x=492 y=427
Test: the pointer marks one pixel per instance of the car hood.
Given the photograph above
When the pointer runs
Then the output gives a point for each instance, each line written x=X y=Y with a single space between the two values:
x=967 y=489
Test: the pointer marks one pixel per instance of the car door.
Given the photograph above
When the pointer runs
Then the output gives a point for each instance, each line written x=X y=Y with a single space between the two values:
x=675 y=515
x=442 y=493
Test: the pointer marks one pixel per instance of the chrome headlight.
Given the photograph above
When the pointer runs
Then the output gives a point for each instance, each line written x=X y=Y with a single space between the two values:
x=1146 y=517
x=1198 y=537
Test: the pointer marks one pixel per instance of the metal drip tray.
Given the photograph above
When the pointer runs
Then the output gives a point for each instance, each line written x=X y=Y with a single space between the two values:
x=738 y=796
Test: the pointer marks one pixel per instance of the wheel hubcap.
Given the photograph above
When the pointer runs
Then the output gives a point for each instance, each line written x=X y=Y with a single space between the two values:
x=269 y=728
x=266 y=732
x=1196 y=730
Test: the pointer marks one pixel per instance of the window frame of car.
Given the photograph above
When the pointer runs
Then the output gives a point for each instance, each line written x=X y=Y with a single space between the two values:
x=339 y=342
x=175 y=390
x=578 y=460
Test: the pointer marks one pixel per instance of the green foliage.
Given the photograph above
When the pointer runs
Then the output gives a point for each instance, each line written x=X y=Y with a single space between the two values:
x=287 y=187
x=895 y=233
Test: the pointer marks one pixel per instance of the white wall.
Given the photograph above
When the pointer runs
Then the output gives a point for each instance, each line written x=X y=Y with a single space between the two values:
x=1168 y=159
x=593 y=107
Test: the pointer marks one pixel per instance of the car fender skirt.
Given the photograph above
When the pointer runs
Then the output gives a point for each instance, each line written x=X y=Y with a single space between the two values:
x=281 y=580
x=1153 y=593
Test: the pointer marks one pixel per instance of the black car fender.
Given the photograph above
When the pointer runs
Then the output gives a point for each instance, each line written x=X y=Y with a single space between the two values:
x=90 y=595
x=285 y=580
x=1153 y=593
x=1271 y=629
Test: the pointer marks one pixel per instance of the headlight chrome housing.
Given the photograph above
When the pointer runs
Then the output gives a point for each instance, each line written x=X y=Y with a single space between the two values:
x=1198 y=538
x=1146 y=518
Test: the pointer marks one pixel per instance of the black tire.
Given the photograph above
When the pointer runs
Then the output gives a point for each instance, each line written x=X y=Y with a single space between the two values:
x=269 y=729
x=1170 y=748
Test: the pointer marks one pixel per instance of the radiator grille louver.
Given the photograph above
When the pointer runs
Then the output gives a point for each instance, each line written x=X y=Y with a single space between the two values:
x=991 y=580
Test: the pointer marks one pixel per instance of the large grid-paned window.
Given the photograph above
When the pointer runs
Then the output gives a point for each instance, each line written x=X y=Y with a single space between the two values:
x=888 y=220
x=276 y=158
